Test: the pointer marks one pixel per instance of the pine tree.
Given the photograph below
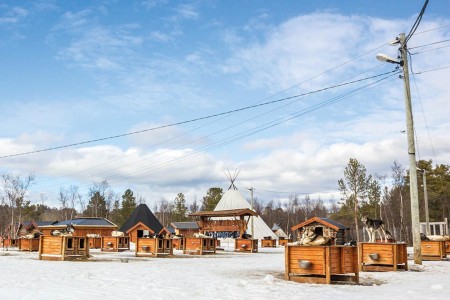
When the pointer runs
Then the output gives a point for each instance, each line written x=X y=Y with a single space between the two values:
x=211 y=199
x=180 y=209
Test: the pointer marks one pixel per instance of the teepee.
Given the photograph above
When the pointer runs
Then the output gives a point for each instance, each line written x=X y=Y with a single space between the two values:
x=233 y=199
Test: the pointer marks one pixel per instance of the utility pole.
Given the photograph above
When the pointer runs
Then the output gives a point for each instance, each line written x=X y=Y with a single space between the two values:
x=414 y=194
x=251 y=218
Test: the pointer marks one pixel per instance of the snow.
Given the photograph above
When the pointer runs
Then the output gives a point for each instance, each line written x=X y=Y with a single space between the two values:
x=226 y=275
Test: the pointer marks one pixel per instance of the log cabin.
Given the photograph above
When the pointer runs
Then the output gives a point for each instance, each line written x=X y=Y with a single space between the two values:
x=83 y=226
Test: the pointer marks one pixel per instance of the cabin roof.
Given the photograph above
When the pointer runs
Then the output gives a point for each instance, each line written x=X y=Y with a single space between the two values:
x=324 y=221
x=225 y=213
x=85 y=222
x=185 y=225
x=45 y=223
x=142 y=214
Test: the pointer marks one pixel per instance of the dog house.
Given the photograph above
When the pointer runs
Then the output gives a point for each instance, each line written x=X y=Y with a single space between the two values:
x=63 y=248
x=154 y=247
x=8 y=243
x=268 y=242
x=325 y=227
x=383 y=256
x=433 y=250
x=142 y=223
x=115 y=243
x=246 y=245
x=283 y=241
x=321 y=264
x=29 y=244
x=200 y=245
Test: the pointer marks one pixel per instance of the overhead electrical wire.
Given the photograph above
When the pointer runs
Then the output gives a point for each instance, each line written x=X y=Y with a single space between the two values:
x=186 y=121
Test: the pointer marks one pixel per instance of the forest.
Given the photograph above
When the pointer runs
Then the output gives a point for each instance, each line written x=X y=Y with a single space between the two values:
x=379 y=197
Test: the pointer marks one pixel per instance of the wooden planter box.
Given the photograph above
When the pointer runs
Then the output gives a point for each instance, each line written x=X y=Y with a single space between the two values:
x=95 y=243
x=29 y=244
x=321 y=264
x=433 y=250
x=115 y=243
x=246 y=245
x=63 y=247
x=199 y=246
x=154 y=247
x=283 y=241
x=268 y=243
x=383 y=256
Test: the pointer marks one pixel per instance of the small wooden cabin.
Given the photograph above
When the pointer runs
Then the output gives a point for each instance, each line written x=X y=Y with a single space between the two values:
x=154 y=247
x=324 y=227
x=246 y=245
x=63 y=248
x=268 y=242
x=83 y=227
x=142 y=223
x=186 y=229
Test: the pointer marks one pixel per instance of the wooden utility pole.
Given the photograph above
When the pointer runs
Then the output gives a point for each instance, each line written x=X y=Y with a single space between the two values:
x=414 y=194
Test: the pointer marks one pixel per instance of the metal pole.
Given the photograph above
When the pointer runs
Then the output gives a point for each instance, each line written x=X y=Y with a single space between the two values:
x=425 y=197
x=414 y=194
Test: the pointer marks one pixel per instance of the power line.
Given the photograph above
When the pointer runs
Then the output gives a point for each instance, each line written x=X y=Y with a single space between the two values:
x=416 y=23
x=191 y=120
x=434 y=43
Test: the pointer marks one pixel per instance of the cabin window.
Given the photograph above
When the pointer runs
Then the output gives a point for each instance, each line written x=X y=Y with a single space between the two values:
x=160 y=244
x=70 y=243
x=82 y=244
x=140 y=233
x=167 y=244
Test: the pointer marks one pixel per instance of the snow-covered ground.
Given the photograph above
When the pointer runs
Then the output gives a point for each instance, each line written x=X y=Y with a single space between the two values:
x=226 y=275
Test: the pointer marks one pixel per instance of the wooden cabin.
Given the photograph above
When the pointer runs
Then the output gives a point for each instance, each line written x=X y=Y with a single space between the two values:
x=186 y=229
x=115 y=243
x=324 y=227
x=200 y=245
x=63 y=248
x=246 y=245
x=268 y=242
x=321 y=264
x=142 y=223
x=83 y=227
x=154 y=247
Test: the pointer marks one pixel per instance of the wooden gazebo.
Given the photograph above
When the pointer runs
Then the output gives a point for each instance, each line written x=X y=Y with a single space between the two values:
x=224 y=220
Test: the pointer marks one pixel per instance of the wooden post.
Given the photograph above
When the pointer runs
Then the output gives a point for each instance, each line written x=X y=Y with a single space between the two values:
x=286 y=262
x=395 y=256
x=63 y=253
x=41 y=245
x=327 y=265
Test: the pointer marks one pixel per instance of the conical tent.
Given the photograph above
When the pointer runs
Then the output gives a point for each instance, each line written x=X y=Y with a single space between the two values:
x=233 y=199
x=278 y=231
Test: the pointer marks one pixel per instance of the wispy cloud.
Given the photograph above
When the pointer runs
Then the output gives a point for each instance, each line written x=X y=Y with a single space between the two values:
x=13 y=15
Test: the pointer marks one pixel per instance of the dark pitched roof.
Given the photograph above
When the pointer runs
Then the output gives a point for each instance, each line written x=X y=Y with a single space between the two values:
x=142 y=214
x=45 y=223
x=85 y=222
x=185 y=225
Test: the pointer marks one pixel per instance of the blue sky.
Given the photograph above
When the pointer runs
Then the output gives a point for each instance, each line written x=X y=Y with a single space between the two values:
x=74 y=71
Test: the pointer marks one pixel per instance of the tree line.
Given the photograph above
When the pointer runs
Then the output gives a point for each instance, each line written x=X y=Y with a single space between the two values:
x=379 y=197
